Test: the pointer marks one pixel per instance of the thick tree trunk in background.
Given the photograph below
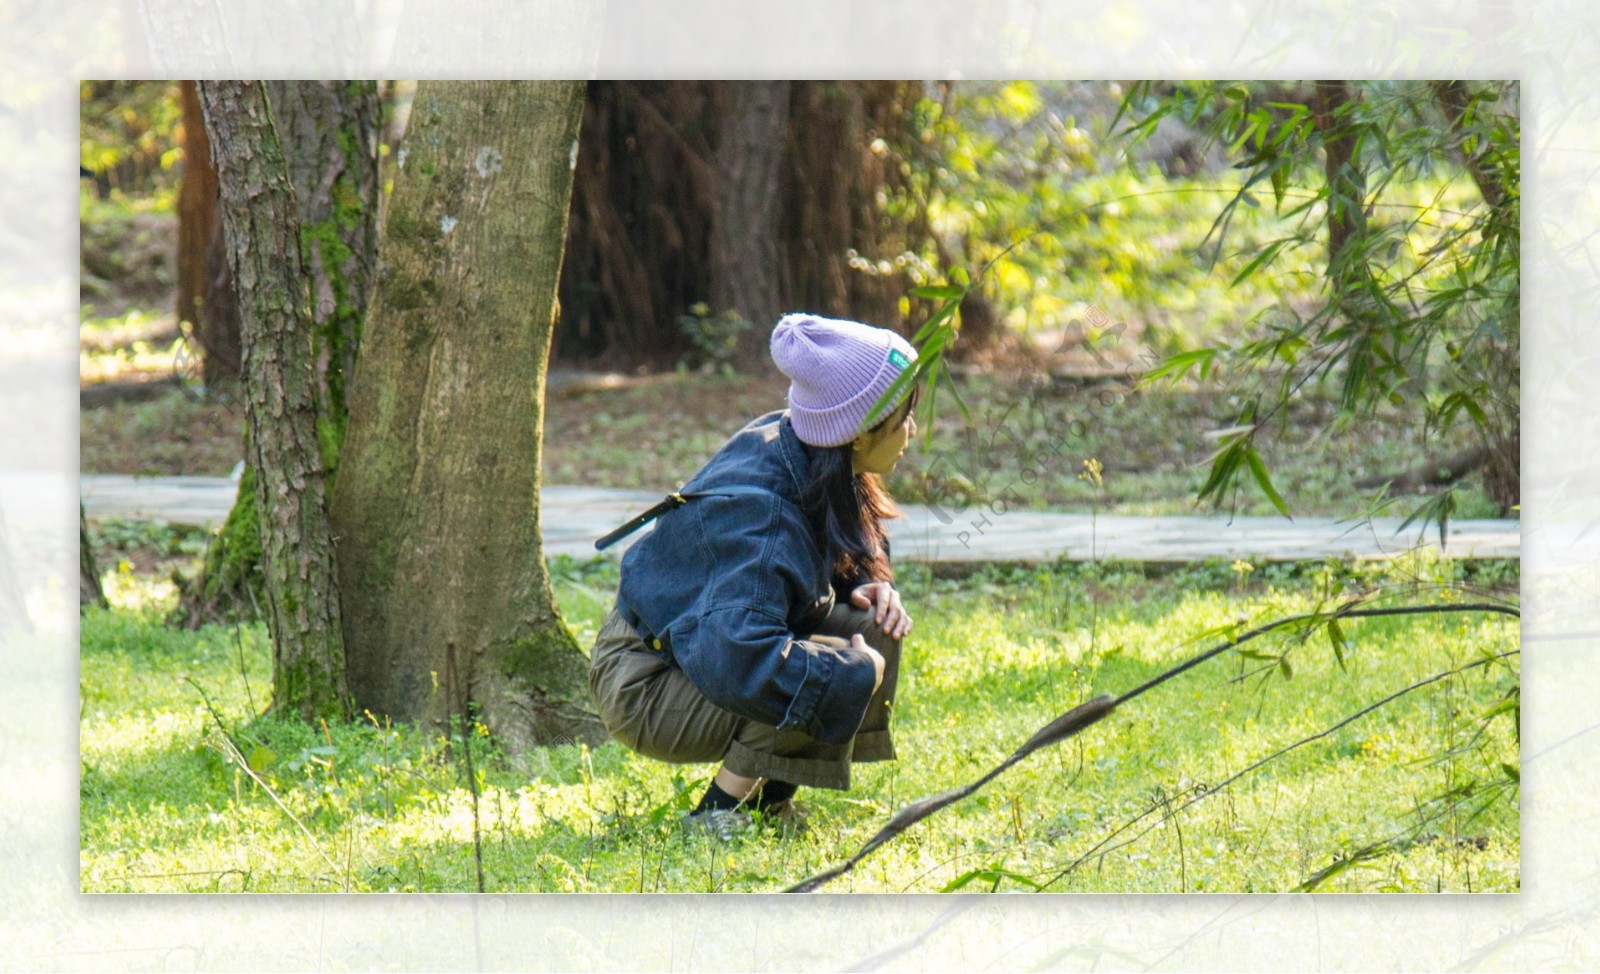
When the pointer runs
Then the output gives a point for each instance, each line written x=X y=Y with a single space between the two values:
x=197 y=214
x=848 y=142
x=1346 y=181
x=219 y=318
x=329 y=132
x=89 y=590
x=205 y=288
x=638 y=240
x=642 y=247
x=745 y=269
x=258 y=212
x=437 y=503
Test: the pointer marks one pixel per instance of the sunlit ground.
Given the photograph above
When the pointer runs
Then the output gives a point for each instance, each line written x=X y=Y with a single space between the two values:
x=1418 y=796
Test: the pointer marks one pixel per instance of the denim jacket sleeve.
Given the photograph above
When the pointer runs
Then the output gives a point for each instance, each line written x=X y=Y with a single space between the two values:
x=761 y=671
x=739 y=649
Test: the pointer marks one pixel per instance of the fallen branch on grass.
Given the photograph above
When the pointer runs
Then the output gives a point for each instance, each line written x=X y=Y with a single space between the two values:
x=1203 y=792
x=1091 y=712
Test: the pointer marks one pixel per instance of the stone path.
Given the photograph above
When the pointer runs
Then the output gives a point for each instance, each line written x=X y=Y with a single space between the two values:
x=574 y=516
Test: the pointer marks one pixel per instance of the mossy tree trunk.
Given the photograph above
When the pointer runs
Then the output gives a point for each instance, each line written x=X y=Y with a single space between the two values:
x=297 y=552
x=328 y=132
x=437 y=504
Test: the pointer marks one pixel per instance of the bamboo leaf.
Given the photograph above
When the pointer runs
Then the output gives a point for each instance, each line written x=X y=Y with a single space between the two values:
x=988 y=874
x=1267 y=253
x=1177 y=365
x=1223 y=468
x=935 y=320
x=1259 y=470
x=1336 y=637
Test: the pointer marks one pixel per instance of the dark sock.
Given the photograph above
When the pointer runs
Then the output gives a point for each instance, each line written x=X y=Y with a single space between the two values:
x=715 y=798
x=774 y=793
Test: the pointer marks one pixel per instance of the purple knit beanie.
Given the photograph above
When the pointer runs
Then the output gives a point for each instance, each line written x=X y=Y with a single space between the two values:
x=837 y=370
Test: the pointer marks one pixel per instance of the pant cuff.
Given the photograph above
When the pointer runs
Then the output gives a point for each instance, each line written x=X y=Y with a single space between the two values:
x=874 y=746
x=808 y=772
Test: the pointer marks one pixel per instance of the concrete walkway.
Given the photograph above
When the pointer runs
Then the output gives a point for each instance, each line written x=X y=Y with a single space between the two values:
x=574 y=516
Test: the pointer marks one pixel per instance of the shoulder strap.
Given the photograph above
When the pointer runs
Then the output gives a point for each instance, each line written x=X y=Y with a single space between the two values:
x=673 y=501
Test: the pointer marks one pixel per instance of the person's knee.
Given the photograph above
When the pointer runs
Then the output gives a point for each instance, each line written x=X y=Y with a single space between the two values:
x=865 y=622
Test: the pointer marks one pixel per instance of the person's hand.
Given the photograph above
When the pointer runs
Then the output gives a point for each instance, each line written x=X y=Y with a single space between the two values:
x=885 y=603
x=874 y=655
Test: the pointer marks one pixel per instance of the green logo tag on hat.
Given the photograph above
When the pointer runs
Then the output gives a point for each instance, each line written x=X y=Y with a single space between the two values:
x=898 y=359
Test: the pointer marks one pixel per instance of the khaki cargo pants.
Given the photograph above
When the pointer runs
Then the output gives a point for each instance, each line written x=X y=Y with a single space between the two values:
x=650 y=706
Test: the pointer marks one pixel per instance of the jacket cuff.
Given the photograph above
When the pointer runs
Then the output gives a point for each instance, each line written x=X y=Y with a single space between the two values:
x=833 y=699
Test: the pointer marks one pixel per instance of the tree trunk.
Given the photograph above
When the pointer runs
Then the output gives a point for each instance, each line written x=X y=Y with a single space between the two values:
x=848 y=141
x=437 y=504
x=329 y=131
x=263 y=233
x=89 y=590
x=1502 y=478
x=1347 y=185
x=645 y=243
x=220 y=344
x=197 y=215
x=638 y=241
x=754 y=119
x=205 y=289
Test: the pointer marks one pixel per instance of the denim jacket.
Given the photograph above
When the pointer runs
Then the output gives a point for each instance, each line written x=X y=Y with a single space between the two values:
x=725 y=579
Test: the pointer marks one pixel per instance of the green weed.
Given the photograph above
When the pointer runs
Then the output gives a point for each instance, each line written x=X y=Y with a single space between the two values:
x=182 y=794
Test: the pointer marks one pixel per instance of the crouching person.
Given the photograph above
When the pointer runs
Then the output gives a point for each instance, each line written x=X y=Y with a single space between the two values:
x=758 y=625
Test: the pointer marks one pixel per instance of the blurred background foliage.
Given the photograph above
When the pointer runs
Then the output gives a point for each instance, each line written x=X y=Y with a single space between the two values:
x=1179 y=231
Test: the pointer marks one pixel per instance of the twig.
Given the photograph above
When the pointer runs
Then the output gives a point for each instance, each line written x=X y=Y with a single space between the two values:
x=238 y=756
x=238 y=642
x=1086 y=714
x=1101 y=848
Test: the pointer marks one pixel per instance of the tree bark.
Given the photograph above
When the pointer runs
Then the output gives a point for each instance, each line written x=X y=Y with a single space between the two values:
x=437 y=503
x=205 y=289
x=263 y=233
x=197 y=206
x=219 y=318
x=1455 y=101
x=329 y=131
x=1502 y=477
x=745 y=269
x=847 y=146
x=669 y=185
x=1347 y=185
x=89 y=590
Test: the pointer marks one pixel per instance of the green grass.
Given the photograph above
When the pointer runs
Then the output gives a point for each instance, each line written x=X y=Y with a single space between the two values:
x=373 y=807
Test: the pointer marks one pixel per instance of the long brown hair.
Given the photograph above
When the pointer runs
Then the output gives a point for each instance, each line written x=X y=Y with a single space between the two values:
x=847 y=509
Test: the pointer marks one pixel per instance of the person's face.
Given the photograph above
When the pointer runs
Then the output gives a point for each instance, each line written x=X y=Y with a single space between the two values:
x=877 y=451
